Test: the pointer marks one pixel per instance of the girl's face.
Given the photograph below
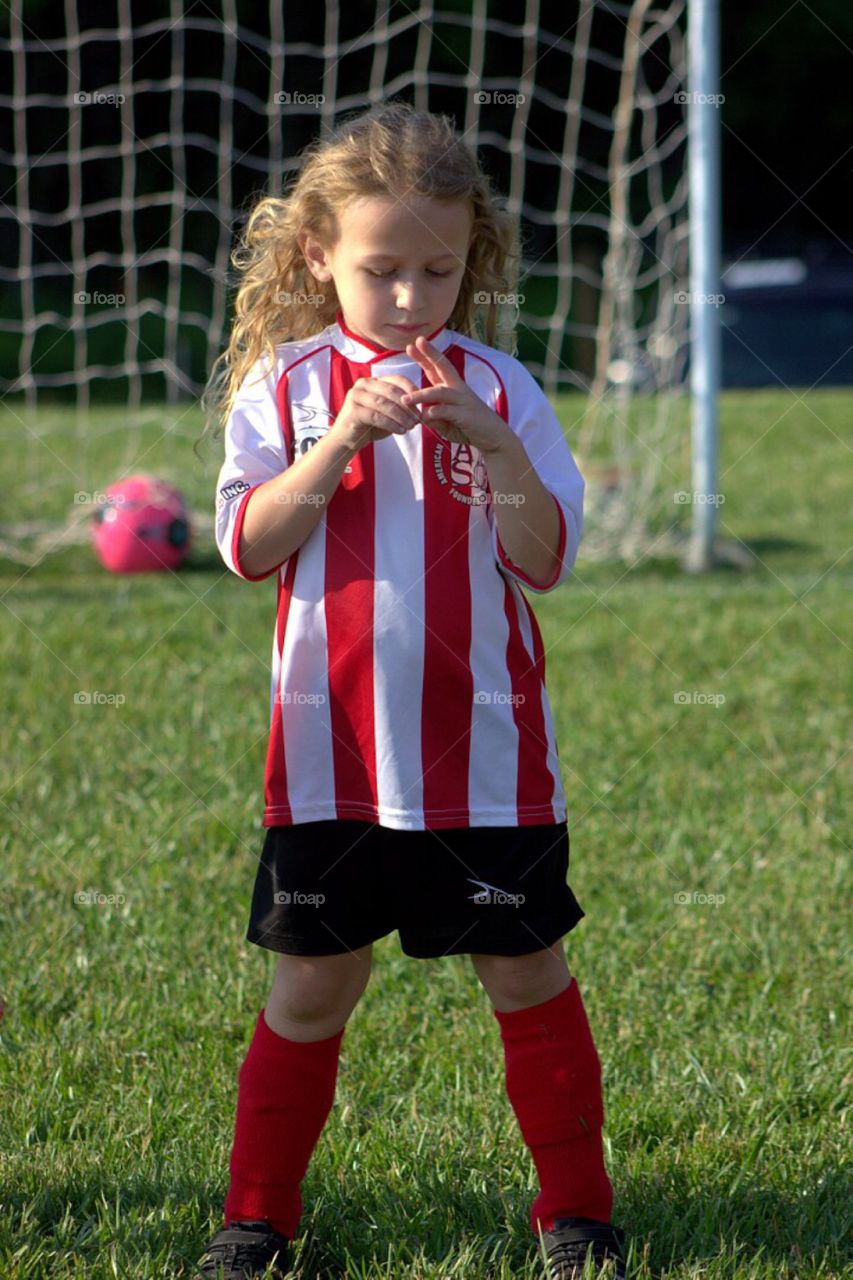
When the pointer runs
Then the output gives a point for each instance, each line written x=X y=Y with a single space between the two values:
x=397 y=265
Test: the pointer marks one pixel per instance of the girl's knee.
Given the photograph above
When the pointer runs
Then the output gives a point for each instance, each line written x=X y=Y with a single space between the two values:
x=317 y=991
x=519 y=981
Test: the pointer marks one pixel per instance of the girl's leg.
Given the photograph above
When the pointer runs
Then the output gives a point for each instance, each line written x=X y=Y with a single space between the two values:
x=287 y=1084
x=517 y=982
x=553 y=1080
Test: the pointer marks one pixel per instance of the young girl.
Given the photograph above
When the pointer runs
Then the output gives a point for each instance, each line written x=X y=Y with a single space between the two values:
x=401 y=478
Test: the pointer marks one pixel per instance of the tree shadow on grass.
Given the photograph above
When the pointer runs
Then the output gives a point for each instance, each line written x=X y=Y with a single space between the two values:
x=669 y=1226
x=733 y=561
x=790 y=1228
x=668 y=1223
x=674 y=1225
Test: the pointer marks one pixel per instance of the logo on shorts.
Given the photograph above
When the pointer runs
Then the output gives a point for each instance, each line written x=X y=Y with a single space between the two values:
x=463 y=469
x=491 y=894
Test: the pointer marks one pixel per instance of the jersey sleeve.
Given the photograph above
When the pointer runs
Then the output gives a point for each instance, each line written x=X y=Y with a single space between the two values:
x=536 y=424
x=254 y=453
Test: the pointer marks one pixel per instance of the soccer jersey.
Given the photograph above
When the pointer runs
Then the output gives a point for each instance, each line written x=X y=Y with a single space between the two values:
x=408 y=671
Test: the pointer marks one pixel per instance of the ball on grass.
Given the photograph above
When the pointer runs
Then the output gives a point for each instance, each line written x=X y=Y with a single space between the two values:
x=142 y=525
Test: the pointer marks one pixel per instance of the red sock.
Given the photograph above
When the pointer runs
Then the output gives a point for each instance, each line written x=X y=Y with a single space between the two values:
x=286 y=1092
x=553 y=1080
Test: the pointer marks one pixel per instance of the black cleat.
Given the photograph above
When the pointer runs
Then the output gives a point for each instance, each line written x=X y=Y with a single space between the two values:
x=572 y=1240
x=244 y=1251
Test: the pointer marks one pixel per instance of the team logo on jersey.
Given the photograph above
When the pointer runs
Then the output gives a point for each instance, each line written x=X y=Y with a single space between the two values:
x=463 y=470
x=309 y=427
x=311 y=424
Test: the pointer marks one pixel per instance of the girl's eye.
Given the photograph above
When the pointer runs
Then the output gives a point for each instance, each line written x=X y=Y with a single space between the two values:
x=386 y=275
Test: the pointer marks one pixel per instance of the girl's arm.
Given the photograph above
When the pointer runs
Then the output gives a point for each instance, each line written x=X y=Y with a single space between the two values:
x=282 y=512
x=536 y=514
x=527 y=517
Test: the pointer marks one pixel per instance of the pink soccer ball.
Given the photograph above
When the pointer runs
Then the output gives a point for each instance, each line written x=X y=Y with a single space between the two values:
x=142 y=525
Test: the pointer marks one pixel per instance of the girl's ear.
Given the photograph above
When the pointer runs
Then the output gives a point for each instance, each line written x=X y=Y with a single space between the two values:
x=314 y=255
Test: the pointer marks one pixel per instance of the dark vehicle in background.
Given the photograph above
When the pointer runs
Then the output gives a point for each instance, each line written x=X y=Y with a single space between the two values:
x=788 y=321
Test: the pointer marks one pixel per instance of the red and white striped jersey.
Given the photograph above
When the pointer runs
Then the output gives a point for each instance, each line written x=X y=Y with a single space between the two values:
x=408 y=672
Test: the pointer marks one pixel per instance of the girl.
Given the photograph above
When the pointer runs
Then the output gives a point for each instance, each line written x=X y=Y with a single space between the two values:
x=401 y=477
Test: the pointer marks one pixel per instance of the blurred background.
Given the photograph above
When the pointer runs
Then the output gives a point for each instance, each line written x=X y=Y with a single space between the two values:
x=133 y=141
x=133 y=138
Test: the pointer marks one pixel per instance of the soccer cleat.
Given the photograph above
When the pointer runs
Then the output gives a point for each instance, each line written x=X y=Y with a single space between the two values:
x=244 y=1251
x=571 y=1240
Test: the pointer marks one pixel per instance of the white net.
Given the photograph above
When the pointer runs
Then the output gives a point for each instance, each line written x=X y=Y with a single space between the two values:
x=132 y=148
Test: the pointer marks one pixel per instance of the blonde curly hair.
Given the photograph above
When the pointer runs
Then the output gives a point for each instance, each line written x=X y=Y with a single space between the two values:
x=391 y=149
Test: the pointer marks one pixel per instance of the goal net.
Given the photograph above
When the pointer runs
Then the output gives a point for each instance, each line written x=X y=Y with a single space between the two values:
x=132 y=148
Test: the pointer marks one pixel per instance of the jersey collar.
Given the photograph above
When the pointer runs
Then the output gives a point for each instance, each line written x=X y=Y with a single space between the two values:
x=363 y=351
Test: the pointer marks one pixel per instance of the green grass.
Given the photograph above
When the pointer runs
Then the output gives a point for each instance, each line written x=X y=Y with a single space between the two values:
x=721 y=1028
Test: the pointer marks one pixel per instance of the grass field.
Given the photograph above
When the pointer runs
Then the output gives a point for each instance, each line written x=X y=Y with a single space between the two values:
x=721 y=1025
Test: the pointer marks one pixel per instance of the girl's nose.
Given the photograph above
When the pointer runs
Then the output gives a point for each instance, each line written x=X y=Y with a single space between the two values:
x=406 y=297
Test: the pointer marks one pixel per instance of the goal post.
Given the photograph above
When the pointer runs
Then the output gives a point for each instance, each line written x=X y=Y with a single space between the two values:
x=704 y=169
x=132 y=149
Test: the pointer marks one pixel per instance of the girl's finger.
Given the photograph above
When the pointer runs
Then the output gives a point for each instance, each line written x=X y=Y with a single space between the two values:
x=425 y=360
x=440 y=362
x=418 y=355
x=397 y=415
x=380 y=388
x=449 y=395
x=399 y=380
x=440 y=413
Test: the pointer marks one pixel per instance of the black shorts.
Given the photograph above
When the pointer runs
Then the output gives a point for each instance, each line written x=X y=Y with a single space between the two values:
x=323 y=888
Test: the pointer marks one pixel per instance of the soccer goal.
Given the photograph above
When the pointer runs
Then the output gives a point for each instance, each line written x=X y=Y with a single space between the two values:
x=132 y=148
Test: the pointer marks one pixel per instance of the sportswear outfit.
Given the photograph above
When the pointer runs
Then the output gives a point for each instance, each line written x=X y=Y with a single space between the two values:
x=412 y=777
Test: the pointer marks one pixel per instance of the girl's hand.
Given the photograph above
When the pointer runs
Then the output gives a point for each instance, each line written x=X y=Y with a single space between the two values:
x=373 y=409
x=451 y=407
